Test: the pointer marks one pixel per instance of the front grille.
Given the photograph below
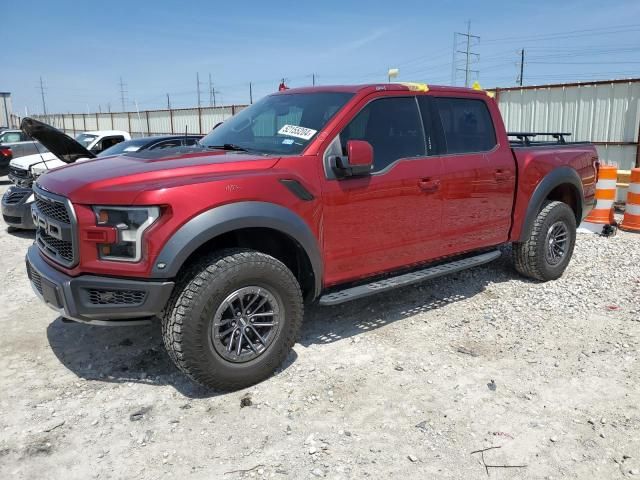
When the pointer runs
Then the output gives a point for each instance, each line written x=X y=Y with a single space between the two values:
x=116 y=297
x=35 y=277
x=12 y=198
x=55 y=227
x=19 y=172
x=53 y=246
x=53 y=209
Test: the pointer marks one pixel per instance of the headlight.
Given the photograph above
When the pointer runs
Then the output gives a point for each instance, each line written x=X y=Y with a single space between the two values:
x=130 y=223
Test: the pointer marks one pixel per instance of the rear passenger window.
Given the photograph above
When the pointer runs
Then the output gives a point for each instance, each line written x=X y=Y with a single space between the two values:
x=466 y=124
x=393 y=128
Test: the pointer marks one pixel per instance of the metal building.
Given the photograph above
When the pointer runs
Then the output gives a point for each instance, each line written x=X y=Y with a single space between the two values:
x=6 y=112
x=606 y=113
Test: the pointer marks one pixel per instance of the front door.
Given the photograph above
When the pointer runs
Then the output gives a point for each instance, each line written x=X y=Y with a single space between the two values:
x=391 y=218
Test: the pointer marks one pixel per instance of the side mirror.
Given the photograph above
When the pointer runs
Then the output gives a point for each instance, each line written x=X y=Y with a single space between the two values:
x=359 y=160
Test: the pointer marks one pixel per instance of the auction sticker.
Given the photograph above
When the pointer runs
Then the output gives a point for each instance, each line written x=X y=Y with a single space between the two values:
x=298 y=132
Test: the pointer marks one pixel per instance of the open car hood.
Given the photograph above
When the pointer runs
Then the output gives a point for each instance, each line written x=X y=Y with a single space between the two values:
x=60 y=144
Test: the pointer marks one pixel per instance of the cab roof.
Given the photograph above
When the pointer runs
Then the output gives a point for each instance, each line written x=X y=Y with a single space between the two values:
x=408 y=86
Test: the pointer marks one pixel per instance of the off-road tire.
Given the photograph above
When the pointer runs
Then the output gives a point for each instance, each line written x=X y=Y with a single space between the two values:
x=200 y=290
x=529 y=257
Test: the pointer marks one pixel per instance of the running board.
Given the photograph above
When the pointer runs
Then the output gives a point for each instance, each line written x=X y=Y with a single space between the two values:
x=406 y=279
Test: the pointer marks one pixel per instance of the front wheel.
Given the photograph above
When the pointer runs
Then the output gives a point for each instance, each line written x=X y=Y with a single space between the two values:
x=548 y=249
x=233 y=318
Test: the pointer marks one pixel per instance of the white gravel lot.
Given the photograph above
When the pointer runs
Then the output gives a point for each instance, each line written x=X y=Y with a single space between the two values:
x=404 y=385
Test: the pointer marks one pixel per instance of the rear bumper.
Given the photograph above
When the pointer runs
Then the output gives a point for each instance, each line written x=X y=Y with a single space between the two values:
x=16 y=208
x=93 y=299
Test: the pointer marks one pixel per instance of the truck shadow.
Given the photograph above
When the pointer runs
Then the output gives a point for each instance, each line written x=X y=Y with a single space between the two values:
x=136 y=354
x=325 y=325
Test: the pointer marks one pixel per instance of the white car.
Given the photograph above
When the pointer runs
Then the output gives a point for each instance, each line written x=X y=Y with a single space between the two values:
x=24 y=170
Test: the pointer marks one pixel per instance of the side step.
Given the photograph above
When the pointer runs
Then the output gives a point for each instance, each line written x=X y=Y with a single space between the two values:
x=406 y=279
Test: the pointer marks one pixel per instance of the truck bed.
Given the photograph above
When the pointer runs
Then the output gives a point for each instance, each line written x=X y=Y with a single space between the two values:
x=536 y=159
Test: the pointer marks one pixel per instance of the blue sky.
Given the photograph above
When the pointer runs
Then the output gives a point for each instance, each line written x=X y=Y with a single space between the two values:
x=82 y=49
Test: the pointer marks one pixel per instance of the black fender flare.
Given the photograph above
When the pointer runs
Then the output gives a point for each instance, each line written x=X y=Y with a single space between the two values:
x=234 y=216
x=557 y=177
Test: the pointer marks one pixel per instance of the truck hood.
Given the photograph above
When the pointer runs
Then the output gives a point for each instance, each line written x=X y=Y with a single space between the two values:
x=121 y=179
x=28 y=161
x=60 y=144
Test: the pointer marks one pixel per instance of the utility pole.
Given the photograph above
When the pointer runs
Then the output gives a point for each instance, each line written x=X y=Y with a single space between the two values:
x=210 y=92
x=521 y=77
x=468 y=41
x=123 y=93
x=250 y=94
x=198 y=85
x=168 y=102
x=313 y=79
x=44 y=105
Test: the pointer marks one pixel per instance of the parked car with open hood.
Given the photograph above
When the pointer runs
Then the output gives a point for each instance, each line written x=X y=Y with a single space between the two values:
x=65 y=149
x=16 y=202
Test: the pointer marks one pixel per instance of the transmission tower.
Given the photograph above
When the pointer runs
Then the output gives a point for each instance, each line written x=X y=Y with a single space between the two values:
x=123 y=94
x=463 y=56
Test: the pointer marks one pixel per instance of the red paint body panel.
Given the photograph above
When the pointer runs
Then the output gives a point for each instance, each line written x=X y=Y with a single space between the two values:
x=420 y=209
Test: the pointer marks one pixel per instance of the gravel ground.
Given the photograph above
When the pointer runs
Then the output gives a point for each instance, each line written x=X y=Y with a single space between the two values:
x=403 y=385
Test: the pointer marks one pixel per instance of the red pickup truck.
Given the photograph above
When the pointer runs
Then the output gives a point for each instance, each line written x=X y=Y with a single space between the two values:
x=322 y=194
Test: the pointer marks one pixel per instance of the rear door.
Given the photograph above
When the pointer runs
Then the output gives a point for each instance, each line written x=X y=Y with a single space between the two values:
x=478 y=178
x=389 y=219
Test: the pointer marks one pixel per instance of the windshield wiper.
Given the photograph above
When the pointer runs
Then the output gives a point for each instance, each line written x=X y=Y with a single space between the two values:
x=229 y=146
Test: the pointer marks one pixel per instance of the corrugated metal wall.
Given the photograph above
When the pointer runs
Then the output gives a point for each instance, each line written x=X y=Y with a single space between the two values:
x=6 y=110
x=146 y=122
x=606 y=113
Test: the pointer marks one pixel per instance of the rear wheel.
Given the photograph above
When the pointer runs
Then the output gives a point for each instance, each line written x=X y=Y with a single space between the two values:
x=547 y=252
x=232 y=319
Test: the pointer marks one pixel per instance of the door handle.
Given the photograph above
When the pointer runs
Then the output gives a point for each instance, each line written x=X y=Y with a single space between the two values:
x=427 y=185
x=501 y=175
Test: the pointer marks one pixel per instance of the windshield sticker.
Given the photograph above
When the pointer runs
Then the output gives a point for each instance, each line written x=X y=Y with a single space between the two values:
x=131 y=149
x=298 y=132
x=288 y=141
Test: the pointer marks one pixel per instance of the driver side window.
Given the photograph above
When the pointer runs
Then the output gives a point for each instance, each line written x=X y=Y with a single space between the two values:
x=393 y=128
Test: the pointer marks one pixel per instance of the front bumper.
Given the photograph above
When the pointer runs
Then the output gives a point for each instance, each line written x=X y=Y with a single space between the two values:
x=4 y=166
x=93 y=299
x=16 y=207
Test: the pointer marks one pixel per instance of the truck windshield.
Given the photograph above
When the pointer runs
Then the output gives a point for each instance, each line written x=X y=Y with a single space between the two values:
x=280 y=124
x=85 y=139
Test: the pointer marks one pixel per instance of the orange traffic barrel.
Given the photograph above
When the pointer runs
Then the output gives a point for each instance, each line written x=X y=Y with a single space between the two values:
x=631 y=220
x=602 y=214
